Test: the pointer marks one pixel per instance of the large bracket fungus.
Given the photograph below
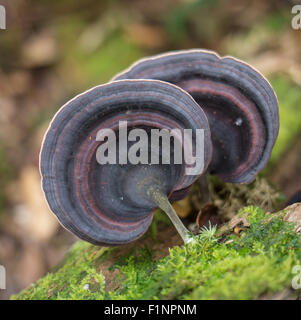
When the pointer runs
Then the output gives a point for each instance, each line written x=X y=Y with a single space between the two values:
x=111 y=204
x=241 y=106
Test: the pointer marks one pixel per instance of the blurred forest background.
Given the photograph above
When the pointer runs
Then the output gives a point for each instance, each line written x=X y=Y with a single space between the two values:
x=53 y=50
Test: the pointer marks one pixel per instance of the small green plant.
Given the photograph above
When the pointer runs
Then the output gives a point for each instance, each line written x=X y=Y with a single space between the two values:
x=208 y=234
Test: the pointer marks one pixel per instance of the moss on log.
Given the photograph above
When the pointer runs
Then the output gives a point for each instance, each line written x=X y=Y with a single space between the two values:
x=252 y=263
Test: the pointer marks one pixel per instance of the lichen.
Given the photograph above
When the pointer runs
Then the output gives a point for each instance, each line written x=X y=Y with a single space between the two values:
x=256 y=263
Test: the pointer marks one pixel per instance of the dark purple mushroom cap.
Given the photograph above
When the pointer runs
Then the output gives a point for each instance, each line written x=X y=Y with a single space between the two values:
x=240 y=105
x=105 y=204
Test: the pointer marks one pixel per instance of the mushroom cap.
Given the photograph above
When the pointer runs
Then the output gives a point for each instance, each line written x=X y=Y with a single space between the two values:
x=103 y=203
x=240 y=105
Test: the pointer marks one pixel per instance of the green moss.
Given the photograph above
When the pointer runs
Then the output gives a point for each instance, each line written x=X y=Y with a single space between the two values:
x=77 y=270
x=253 y=213
x=257 y=263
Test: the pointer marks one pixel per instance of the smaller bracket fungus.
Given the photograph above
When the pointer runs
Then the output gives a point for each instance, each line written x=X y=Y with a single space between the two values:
x=112 y=203
x=241 y=106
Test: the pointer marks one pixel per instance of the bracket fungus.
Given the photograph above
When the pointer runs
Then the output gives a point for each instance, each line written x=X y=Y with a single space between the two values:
x=240 y=105
x=112 y=204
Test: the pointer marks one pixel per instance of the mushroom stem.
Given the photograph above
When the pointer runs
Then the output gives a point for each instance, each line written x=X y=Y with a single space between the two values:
x=157 y=196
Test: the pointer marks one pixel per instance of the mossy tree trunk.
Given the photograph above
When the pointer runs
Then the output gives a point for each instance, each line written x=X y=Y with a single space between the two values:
x=251 y=257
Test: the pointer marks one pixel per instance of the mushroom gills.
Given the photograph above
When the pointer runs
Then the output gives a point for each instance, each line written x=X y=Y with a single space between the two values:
x=111 y=204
